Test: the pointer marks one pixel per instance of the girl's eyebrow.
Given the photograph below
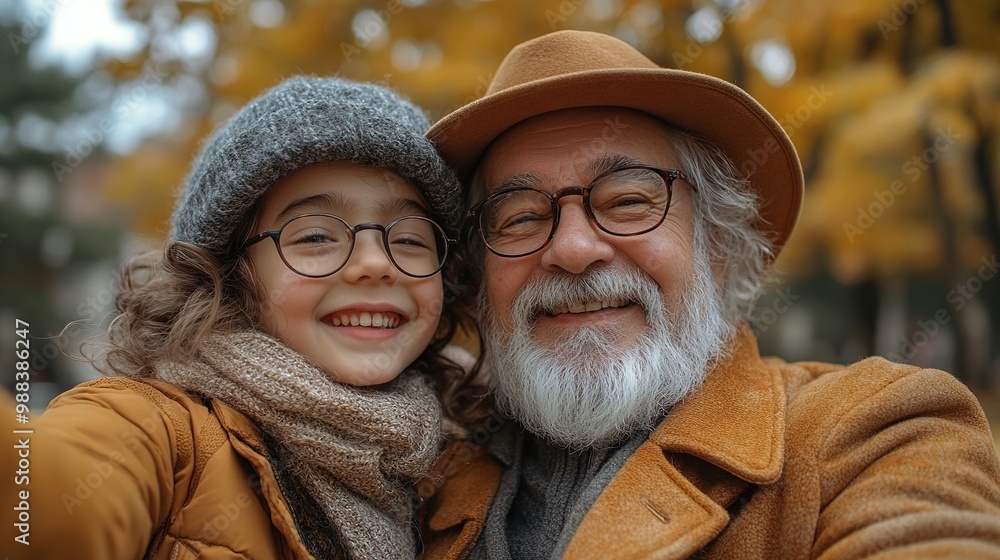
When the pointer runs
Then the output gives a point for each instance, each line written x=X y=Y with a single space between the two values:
x=402 y=205
x=323 y=202
x=327 y=202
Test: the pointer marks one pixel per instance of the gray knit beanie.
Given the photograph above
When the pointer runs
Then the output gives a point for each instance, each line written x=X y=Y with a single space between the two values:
x=303 y=121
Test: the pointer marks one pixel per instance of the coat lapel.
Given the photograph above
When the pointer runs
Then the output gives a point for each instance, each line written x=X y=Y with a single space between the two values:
x=654 y=510
x=248 y=441
x=466 y=483
x=735 y=421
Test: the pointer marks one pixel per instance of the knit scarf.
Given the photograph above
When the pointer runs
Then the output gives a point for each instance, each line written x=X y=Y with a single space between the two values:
x=355 y=451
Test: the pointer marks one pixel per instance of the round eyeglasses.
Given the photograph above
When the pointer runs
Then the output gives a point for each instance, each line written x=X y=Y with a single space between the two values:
x=318 y=245
x=624 y=201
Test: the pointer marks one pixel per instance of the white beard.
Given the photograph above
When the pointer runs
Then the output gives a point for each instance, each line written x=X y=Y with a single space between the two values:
x=585 y=391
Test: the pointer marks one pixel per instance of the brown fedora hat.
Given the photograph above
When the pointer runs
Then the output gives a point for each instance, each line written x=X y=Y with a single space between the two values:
x=585 y=69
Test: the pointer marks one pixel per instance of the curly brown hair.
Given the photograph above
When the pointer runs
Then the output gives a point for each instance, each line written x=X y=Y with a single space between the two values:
x=168 y=301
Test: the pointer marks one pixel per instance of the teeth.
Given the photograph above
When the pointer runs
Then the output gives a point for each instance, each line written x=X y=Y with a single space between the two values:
x=366 y=319
x=583 y=307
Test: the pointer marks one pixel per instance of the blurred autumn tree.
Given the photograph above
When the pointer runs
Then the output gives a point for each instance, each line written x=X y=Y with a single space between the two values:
x=48 y=243
x=893 y=106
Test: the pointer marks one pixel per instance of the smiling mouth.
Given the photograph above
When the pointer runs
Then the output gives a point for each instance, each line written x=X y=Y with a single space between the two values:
x=586 y=306
x=366 y=319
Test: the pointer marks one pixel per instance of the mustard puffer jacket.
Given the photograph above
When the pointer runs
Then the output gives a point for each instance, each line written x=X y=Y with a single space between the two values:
x=772 y=460
x=124 y=469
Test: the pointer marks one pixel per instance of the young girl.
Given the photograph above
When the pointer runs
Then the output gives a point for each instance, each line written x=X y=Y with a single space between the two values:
x=278 y=367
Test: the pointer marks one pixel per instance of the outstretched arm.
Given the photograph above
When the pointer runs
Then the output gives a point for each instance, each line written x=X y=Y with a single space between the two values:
x=101 y=480
x=910 y=472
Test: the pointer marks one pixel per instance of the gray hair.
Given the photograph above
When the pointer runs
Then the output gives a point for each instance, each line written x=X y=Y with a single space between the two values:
x=727 y=212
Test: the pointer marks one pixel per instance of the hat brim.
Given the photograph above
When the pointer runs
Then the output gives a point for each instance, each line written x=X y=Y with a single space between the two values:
x=696 y=103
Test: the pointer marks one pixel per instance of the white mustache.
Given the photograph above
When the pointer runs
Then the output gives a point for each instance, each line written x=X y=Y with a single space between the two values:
x=597 y=288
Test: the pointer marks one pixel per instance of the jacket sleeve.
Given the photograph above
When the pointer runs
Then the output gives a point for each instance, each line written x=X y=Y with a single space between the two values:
x=102 y=472
x=909 y=470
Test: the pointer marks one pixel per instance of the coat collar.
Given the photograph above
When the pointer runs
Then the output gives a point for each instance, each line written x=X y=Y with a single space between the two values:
x=238 y=425
x=248 y=442
x=736 y=420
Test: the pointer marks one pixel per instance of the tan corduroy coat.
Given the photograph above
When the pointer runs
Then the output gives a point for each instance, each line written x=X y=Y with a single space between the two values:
x=773 y=460
x=114 y=465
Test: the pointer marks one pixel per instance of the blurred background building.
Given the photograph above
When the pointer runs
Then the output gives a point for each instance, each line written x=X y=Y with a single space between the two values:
x=893 y=105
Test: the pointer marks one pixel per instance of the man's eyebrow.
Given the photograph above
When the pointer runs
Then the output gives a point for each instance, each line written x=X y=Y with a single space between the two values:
x=612 y=161
x=597 y=166
x=524 y=180
x=323 y=202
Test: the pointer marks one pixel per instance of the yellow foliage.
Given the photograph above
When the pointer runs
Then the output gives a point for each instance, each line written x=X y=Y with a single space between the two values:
x=872 y=84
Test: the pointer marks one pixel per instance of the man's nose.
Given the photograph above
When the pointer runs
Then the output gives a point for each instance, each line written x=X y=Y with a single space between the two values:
x=577 y=242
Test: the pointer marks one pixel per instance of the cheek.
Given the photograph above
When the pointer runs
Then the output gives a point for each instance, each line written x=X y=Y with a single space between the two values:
x=288 y=299
x=504 y=279
x=669 y=259
x=272 y=275
x=429 y=296
x=286 y=288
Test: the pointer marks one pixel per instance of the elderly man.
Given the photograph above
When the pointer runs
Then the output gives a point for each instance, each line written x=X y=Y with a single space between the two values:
x=628 y=213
